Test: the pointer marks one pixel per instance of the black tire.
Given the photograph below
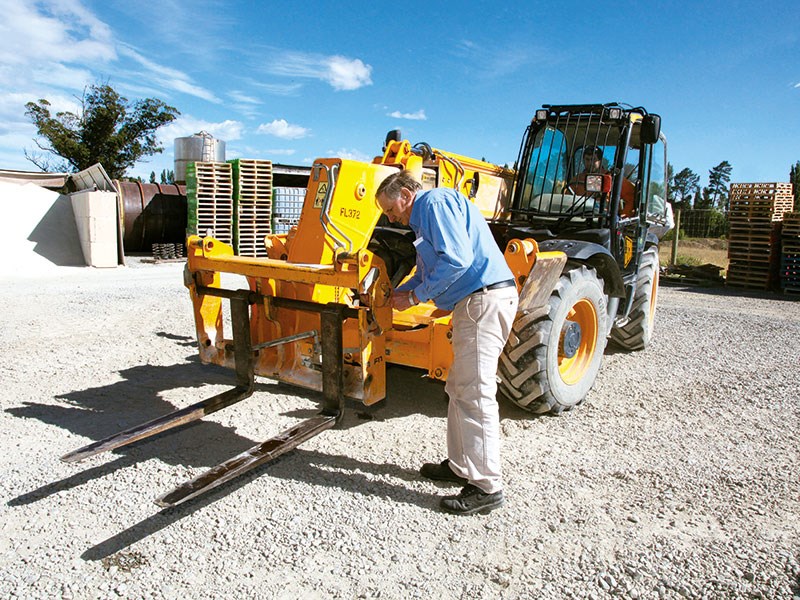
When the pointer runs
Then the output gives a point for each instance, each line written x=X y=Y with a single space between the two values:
x=636 y=331
x=535 y=371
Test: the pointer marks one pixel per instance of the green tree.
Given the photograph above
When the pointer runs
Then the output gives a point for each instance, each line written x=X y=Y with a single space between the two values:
x=702 y=199
x=683 y=187
x=167 y=176
x=718 y=179
x=794 y=177
x=152 y=176
x=107 y=130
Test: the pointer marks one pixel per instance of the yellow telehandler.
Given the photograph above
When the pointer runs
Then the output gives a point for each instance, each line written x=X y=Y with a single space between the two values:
x=317 y=312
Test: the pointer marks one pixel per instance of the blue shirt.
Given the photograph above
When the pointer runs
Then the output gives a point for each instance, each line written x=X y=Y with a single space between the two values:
x=456 y=253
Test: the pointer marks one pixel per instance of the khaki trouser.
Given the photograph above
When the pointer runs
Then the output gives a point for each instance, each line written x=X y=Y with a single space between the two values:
x=481 y=324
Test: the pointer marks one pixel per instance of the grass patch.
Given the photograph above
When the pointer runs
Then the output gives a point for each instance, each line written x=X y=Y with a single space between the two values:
x=697 y=251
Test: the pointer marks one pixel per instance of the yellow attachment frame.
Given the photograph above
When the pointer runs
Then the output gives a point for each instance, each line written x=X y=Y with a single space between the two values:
x=357 y=280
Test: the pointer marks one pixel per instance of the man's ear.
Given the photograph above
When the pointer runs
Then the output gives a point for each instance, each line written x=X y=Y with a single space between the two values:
x=407 y=195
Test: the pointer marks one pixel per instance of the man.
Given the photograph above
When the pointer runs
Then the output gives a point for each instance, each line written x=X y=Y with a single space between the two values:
x=460 y=268
x=593 y=164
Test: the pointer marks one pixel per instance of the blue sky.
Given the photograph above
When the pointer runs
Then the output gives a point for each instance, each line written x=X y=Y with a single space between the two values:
x=293 y=81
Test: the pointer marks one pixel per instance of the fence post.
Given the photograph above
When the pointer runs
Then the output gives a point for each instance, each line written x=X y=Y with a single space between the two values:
x=675 y=239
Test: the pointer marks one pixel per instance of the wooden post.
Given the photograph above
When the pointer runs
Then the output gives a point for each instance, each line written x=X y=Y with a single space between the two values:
x=675 y=239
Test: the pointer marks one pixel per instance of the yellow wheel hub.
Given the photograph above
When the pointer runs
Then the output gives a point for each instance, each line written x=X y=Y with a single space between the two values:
x=572 y=369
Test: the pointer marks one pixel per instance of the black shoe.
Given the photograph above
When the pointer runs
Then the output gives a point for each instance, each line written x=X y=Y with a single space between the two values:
x=472 y=500
x=441 y=472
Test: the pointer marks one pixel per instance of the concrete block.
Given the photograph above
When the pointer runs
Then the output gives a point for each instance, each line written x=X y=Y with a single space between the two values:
x=96 y=219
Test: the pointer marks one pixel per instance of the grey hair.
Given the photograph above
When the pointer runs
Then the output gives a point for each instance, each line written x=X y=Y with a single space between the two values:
x=391 y=186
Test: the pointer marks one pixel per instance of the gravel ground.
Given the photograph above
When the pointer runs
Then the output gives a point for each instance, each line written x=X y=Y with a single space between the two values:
x=677 y=478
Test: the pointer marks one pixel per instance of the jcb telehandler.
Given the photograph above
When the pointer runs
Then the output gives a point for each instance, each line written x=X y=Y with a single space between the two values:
x=317 y=312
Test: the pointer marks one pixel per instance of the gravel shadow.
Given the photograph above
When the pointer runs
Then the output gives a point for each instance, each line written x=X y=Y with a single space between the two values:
x=309 y=467
x=99 y=412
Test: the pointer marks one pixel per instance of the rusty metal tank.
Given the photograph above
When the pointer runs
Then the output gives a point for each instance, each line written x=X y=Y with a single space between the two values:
x=198 y=147
x=153 y=213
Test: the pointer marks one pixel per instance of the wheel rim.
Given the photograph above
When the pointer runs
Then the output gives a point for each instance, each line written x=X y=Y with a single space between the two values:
x=573 y=369
x=653 y=298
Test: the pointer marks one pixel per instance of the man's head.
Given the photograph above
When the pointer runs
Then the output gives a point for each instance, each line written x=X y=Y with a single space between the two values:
x=592 y=159
x=396 y=195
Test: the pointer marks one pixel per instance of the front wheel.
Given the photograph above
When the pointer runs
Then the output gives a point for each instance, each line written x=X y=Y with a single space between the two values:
x=553 y=354
x=637 y=331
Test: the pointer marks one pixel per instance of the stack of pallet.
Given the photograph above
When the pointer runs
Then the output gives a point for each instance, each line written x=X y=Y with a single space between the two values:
x=209 y=197
x=790 y=253
x=756 y=213
x=252 y=201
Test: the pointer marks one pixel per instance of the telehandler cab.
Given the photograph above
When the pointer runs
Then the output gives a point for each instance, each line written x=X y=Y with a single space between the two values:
x=317 y=312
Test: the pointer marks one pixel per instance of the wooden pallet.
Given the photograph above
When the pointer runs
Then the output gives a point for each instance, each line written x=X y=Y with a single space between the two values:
x=791 y=224
x=253 y=205
x=750 y=203
x=778 y=187
x=209 y=193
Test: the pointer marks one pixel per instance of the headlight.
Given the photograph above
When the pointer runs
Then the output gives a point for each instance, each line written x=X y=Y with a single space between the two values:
x=594 y=183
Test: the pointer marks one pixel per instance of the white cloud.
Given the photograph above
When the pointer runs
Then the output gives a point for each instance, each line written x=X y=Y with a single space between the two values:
x=168 y=77
x=350 y=154
x=282 y=129
x=61 y=76
x=247 y=105
x=493 y=62
x=280 y=152
x=12 y=106
x=279 y=89
x=340 y=72
x=417 y=116
x=346 y=74
x=53 y=31
x=243 y=98
x=17 y=133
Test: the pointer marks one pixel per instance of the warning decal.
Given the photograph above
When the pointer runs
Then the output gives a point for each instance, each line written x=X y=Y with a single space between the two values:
x=322 y=191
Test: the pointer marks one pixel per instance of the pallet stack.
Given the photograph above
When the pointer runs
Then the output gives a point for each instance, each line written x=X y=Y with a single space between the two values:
x=756 y=214
x=790 y=253
x=209 y=197
x=252 y=201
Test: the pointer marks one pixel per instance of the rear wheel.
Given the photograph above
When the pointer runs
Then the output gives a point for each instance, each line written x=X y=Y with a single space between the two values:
x=553 y=354
x=637 y=331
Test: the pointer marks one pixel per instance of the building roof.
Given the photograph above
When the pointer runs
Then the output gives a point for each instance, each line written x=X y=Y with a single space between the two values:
x=47 y=180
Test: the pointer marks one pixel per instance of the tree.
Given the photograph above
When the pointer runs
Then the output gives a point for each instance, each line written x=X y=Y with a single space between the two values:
x=107 y=130
x=702 y=199
x=718 y=179
x=167 y=176
x=683 y=187
x=794 y=177
x=152 y=176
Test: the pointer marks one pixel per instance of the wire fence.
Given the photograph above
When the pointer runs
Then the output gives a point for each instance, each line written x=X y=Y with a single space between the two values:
x=702 y=239
x=703 y=223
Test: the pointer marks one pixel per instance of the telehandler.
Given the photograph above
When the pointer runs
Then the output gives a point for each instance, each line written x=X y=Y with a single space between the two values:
x=317 y=312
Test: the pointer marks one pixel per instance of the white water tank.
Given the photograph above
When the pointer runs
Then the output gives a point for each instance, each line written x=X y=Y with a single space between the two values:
x=200 y=147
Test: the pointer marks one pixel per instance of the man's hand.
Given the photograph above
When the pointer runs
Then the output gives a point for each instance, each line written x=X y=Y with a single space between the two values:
x=401 y=300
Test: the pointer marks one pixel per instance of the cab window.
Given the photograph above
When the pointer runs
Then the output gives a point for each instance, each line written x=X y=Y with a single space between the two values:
x=657 y=190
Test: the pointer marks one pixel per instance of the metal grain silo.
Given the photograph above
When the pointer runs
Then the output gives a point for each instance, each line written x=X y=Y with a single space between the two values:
x=200 y=147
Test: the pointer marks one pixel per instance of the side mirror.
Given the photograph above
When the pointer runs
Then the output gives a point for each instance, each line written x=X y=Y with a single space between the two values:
x=651 y=129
